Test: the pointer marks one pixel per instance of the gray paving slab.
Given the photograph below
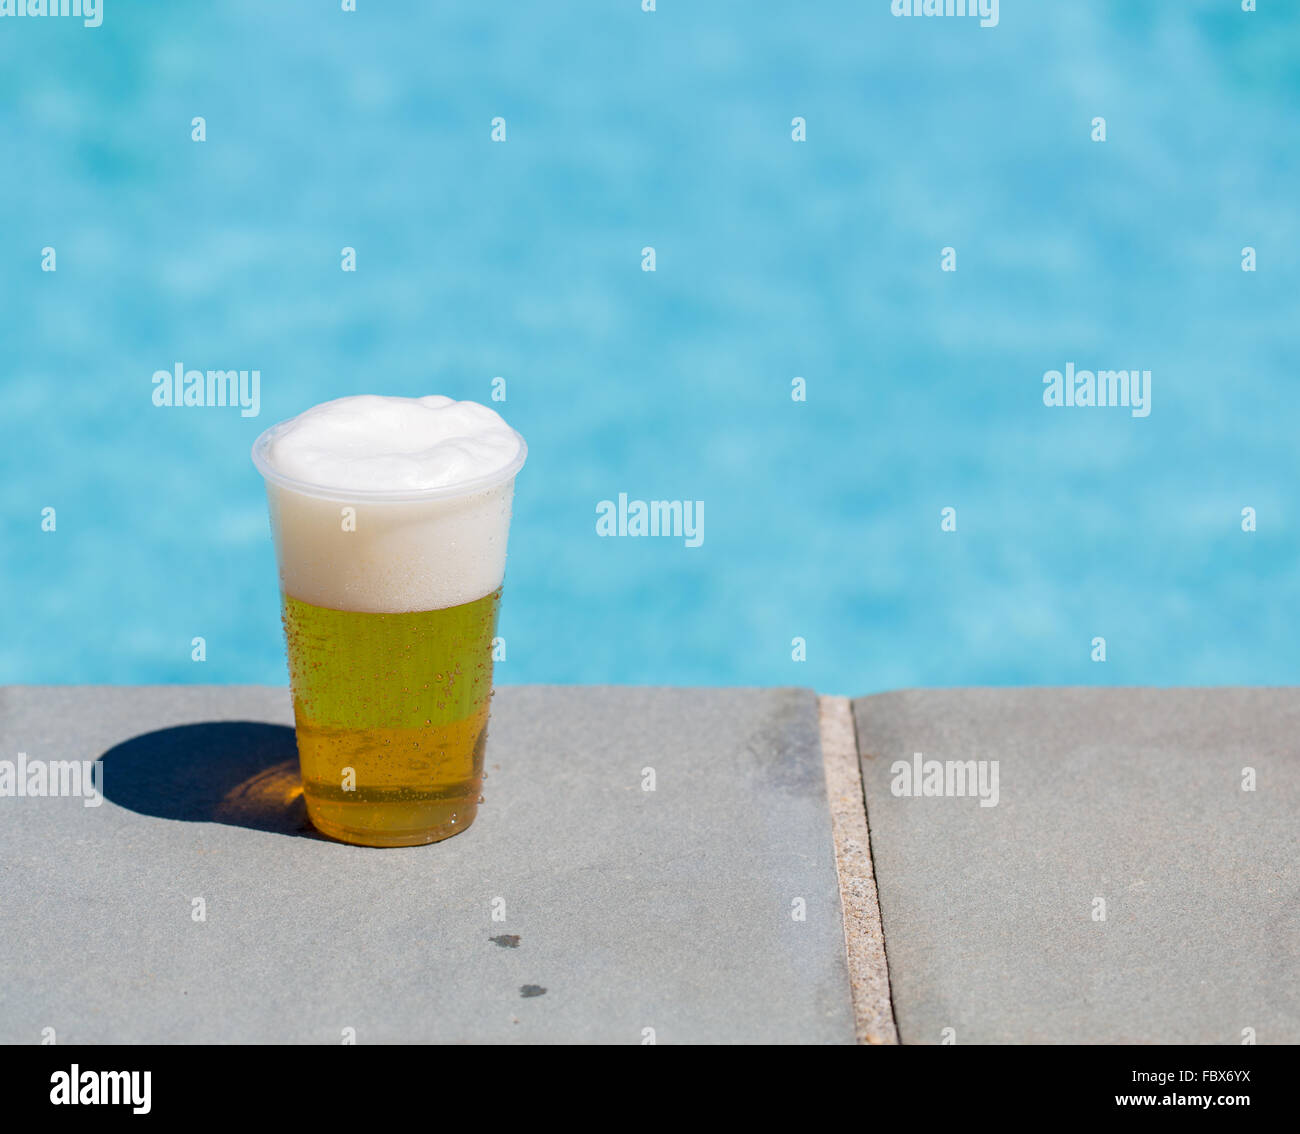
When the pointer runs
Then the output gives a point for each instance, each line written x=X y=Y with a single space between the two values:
x=1133 y=796
x=624 y=910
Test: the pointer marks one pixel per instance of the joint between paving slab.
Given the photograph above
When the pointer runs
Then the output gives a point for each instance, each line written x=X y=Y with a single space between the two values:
x=864 y=939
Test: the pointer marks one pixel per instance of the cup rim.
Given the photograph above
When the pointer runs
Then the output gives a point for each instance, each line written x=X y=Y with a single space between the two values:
x=380 y=495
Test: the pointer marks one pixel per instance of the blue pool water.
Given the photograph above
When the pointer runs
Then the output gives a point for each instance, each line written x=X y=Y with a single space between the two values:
x=775 y=259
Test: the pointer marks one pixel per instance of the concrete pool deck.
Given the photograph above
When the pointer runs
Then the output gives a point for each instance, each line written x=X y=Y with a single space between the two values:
x=1128 y=886
x=1136 y=881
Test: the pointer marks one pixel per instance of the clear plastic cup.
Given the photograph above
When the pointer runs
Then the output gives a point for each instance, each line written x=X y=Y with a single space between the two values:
x=390 y=604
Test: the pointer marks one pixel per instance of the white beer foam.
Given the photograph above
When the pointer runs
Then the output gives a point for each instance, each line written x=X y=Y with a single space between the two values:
x=377 y=444
x=401 y=554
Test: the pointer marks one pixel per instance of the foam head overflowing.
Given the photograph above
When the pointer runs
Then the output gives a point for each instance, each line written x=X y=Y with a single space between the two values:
x=390 y=504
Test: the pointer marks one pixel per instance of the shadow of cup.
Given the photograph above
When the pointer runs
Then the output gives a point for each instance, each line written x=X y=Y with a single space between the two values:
x=241 y=773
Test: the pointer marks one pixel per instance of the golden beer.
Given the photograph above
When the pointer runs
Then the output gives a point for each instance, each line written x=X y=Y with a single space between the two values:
x=391 y=713
x=390 y=518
